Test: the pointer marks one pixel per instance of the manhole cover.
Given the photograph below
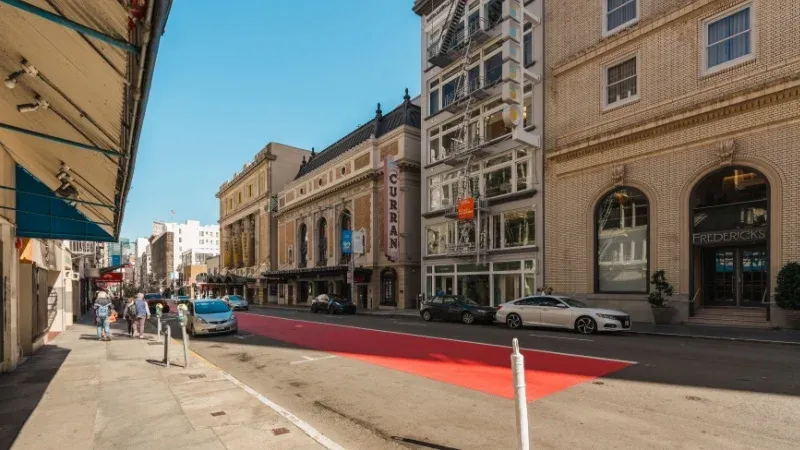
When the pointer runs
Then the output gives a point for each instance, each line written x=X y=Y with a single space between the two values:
x=196 y=376
x=279 y=431
x=218 y=413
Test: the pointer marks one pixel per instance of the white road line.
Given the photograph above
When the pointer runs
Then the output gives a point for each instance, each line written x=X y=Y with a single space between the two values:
x=561 y=337
x=309 y=359
x=312 y=432
x=449 y=339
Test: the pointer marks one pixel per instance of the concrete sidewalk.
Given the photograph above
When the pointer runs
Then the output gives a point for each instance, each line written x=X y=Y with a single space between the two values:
x=81 y=393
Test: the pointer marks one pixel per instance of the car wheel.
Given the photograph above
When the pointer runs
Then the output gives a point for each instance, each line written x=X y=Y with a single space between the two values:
x=514 y=321
x=427 y=316
x=585 y=325
x=467 y=318
x=313 y=309
x=331 y=310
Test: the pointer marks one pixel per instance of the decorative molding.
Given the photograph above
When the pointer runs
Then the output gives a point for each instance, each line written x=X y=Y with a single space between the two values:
x=618 y=174
x=777 y=92
x=725 y=152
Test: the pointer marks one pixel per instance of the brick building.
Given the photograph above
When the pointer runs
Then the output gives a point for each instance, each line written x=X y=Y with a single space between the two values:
x=162 y=259
x=671 y=140
x=342 y=189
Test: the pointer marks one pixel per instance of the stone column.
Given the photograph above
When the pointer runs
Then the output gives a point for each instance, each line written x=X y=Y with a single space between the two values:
x=251 y=244
x=245 y=237
x=227 y=251
x=236 y=244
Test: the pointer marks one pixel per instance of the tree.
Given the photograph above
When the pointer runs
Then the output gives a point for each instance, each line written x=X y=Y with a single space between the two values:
x=662 y=290
x=787 y=290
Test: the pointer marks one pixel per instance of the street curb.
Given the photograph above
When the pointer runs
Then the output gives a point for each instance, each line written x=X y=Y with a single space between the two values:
x=714 y=338
x=358 y=313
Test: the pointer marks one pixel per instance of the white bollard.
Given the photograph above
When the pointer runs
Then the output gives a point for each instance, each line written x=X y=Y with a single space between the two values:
x=185 y=345
x=518 y=367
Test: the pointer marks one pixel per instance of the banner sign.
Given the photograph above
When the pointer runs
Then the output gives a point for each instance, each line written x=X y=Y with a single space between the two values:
x=358 y=242
x=347 y=242
x=391 y=175
x=466 y=209
x=110 y=277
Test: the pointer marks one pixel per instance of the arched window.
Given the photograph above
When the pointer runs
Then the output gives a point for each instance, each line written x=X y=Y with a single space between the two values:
x=322 y=242
x=622 y=238
x=346 y=220
x=302 y=260
x=388 y=287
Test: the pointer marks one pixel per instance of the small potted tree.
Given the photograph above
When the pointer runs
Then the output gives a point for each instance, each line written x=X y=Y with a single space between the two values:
x=787 y=294
x=660 y=292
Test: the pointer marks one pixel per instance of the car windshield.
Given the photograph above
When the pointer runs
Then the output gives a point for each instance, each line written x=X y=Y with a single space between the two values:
x=234 y=298
x=337 y=299
x=210 y=308
x=574 y=303
x=152 y=296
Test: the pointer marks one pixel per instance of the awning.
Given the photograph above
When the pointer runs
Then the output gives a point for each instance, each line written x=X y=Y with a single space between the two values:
x=310 y=273
x=76 y=78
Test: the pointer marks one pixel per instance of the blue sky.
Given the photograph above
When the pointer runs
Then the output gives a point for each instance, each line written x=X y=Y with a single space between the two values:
x=230 y=79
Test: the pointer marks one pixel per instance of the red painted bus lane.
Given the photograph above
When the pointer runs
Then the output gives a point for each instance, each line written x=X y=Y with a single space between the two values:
x=481 y=367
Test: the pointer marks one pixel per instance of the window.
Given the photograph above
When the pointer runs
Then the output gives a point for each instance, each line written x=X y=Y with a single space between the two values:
x=493 y=12
x=239 y=197
x=497 y=182
x=728 y=39
x=619 y=13
x=621 y=83
x=449 y=91
x=433 y=102
x=622 y=236
x=493 y=68
x=520 y=228
x=527 y=49
x=494 y=126
x=250 y=191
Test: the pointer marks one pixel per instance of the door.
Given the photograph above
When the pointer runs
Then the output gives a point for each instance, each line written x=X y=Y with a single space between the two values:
x=736 y=276
x=437 y=308
x=555 y=313
x=361 y=292
x=530 y=311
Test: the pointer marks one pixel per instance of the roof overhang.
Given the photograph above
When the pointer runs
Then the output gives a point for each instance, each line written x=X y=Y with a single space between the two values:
x=78 y=74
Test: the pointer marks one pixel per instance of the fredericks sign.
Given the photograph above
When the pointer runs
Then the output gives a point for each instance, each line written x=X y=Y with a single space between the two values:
x=730 y=237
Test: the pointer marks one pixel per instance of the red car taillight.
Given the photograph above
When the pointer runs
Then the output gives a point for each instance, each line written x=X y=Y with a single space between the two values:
x=499 y=307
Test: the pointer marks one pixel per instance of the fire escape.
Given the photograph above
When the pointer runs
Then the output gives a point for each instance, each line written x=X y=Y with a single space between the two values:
x=457 y=41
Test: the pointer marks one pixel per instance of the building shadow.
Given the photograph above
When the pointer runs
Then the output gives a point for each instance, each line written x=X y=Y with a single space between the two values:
x=21 y=390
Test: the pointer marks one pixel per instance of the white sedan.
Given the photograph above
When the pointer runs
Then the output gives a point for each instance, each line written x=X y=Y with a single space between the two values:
x=561 y=312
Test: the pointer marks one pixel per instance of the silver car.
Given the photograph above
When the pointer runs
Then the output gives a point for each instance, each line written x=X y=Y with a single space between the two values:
x=557 y=311
x=210 y=316
x=236 y=302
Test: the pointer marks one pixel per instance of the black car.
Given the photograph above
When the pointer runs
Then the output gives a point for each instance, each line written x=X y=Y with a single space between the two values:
x=456 y=307
x=155 y=299
x=332 y=304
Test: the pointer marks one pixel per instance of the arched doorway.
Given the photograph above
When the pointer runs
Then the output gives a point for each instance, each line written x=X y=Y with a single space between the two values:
x=388 y=287
x=730 y=238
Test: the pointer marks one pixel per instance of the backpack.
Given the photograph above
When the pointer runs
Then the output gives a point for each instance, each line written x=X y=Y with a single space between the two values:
x=131 y=311
x=102 y=310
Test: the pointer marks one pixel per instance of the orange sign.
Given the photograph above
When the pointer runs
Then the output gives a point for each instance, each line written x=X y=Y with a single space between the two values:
x=466 y=209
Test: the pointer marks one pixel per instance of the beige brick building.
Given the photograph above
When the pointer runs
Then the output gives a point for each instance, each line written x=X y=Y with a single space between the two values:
x=247 y=224
x=342 y=188
x=671 y=139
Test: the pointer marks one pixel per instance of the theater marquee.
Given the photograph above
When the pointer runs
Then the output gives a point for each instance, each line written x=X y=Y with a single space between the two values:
x=391 y=175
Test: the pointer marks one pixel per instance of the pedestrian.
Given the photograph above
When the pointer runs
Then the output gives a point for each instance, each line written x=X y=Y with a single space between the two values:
x=102 y=312
x=142 y=313
x=129 y=314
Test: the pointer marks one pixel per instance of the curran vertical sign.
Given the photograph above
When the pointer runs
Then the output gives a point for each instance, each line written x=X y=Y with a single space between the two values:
x=391 y=175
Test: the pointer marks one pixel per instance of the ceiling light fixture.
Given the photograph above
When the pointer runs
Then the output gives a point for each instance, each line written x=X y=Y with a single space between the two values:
x=11 y=81
x=30 y=107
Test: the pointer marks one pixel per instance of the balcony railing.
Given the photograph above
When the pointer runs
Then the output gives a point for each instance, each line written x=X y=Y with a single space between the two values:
x=476 y=31
x=459 y=151
x=476 y=88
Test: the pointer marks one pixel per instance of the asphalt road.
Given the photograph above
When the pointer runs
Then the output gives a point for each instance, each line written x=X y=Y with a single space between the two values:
x=373 y=382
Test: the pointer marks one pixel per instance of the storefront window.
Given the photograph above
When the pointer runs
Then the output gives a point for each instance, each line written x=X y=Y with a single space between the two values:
x=475 y=287
x=437 y=236
x=497 y=182
x=507 y=287
x=622 y=219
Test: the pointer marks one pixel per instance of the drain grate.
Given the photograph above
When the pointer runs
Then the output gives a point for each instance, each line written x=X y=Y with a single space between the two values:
x=279 y=431
x=218 y=413
x=196 y=376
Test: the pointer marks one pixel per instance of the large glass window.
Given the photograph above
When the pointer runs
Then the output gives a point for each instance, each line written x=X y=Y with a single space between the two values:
x=437 y=239
x=475 y=288
x=497 y=181
x=520 y=228
x=731 y=199
x=433 y=102
x=623 y=229
x=493 y=68
x=729 y=38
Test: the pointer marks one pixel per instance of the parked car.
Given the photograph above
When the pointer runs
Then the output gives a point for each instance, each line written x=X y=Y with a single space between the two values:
x=210 y=316
x=456 y=307
x=182 y=299
x=561 y=312
x=332 y=304
x=236 y=302
x=154 y=299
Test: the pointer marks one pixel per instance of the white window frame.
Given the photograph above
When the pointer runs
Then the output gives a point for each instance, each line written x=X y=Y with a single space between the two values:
x=704 y=69
x=618 y=28
x=604 y=76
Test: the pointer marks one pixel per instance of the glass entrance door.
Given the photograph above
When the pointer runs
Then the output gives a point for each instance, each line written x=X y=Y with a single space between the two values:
x=735 y=276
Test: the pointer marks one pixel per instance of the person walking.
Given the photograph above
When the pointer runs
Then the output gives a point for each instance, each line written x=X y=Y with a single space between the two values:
x=129 y=314
x=102 y=312
x=142 y=313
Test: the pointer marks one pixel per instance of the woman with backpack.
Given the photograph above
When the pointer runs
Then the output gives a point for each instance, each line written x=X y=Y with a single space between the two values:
x=103 y=309
x=129 y=314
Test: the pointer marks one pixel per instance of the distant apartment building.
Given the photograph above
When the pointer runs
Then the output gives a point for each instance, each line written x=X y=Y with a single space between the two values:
x=163 y=260
x=190 y=235
x=195 y=257
x=367 y=182
x=482 y=108
x=672 y=144
x=246 y=221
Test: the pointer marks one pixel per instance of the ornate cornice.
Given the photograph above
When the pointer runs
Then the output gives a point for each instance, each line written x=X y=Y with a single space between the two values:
x=776 y=92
